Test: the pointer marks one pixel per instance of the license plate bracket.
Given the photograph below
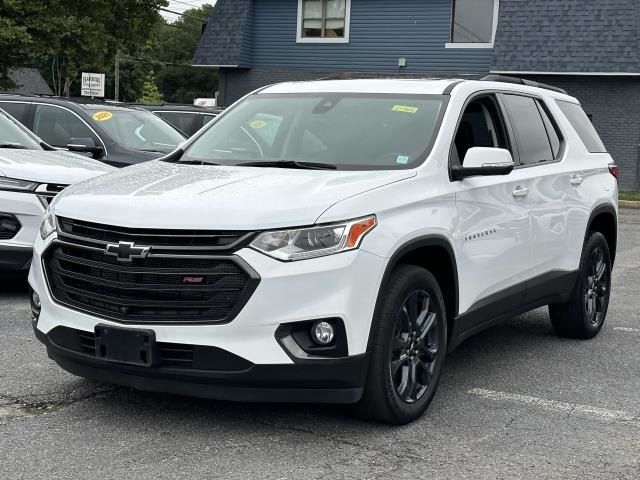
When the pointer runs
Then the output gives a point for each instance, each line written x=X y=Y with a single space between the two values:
x=126 y=345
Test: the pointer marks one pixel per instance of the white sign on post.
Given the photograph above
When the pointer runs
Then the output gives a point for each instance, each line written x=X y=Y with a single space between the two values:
x=92 y=84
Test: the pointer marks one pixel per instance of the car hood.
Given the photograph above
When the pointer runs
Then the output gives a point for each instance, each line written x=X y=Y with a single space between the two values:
x=159 y=194
x=49 y=166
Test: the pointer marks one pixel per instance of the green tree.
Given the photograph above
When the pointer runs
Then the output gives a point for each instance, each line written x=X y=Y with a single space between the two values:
x=174 y=45
x=75 y=35
x=15 y=40
x=150 y=92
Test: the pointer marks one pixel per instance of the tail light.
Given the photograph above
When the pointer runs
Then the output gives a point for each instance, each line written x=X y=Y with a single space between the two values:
x=614 y=170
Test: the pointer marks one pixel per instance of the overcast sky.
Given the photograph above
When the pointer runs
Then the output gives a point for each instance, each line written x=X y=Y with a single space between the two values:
x=182 y=5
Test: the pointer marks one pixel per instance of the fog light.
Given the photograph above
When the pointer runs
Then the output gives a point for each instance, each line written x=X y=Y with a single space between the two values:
x=35 y=306
x=322 y=333
x=36 y=300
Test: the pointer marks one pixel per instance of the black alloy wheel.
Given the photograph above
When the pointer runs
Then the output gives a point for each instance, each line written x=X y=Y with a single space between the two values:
x=414 y=347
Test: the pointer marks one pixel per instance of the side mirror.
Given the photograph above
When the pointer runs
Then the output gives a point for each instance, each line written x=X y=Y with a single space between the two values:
x=484 y=161
x=85 y=145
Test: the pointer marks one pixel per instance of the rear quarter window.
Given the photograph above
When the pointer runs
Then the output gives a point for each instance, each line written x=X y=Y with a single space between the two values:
x=581 y=123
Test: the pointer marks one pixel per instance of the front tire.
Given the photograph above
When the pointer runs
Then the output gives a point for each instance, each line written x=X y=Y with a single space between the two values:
x=584 y=315
x=409 y=347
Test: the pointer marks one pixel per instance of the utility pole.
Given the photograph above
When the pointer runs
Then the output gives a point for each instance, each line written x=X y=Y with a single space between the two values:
x=116 y=97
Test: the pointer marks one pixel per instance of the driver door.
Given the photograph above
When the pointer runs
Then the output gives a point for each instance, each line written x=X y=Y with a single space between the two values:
x=493 y=233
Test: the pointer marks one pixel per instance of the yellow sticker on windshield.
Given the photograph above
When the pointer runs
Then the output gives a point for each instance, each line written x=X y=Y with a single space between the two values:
x=102 y=116
x=258 y=124
x=404 y=109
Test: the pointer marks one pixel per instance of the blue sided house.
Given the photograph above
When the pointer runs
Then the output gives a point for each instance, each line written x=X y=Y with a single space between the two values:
x=591 y=48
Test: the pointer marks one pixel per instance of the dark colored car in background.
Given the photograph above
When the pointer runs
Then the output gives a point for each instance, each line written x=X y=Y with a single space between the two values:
x=111 y=133
x=186 y=118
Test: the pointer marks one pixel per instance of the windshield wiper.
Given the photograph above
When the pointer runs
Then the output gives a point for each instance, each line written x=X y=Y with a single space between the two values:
x=290 y=164
x=17 y=146
x=196 y=162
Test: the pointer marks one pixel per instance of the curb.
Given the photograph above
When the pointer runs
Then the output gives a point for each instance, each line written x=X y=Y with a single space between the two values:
x=628 y=204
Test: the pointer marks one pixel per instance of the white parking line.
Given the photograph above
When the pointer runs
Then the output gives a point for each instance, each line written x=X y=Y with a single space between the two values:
x=556 y=406
x=627 y=329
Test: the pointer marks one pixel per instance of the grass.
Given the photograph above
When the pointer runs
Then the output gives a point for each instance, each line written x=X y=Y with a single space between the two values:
x=634 y=196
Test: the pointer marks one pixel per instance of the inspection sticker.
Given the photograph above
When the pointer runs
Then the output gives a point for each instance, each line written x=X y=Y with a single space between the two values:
x=258 y=124
x=404 y=109
x=402 y=159
x=102 y=116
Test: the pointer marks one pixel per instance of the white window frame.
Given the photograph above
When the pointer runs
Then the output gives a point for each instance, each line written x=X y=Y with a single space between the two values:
x=347 y=22
x=496 y=11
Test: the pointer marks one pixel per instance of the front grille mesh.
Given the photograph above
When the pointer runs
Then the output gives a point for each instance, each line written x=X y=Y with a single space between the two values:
x=172 y=287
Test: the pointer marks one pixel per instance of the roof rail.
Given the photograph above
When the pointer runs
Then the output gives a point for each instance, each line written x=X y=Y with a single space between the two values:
x=522 y=81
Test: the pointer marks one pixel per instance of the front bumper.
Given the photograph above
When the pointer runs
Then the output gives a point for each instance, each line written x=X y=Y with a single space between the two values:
x=341 y=286
x=338 y=381
x=15 y=253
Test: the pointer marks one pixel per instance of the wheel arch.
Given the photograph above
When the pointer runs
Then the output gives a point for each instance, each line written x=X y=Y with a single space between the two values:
x=604 y=219
x=441 y=264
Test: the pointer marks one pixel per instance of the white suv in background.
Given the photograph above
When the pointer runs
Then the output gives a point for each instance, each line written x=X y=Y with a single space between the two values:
x=330 y=241
x=31 y=174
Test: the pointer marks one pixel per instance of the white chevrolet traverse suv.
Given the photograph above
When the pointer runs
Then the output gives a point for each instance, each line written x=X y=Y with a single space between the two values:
x=31 y=174
x=330 y=241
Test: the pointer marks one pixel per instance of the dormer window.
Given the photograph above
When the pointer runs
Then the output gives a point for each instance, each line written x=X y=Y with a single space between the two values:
x=323 y=21
x=473 y=23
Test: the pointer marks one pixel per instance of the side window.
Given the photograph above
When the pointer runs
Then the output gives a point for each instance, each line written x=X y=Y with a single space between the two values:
x=552 y=131
x=183 y=121
x=481 y=125
x=207 y=118
x=531 y=134
x=580 y=121
x=16 y=110
x=58 y=126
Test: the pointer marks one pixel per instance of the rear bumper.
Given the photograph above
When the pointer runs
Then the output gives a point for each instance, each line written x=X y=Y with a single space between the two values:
x=326 y=381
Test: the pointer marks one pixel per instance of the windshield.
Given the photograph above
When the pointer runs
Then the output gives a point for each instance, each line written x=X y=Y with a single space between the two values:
x=139 y=130
x=346 y=131
x=13 y=135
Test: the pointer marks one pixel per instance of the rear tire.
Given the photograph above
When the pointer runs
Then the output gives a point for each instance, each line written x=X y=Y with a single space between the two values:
x=584 y=315
x=408 y=350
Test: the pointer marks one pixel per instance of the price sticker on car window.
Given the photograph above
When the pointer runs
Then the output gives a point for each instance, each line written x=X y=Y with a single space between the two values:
x=102 y=116
x=404 y=109
x=258 y=124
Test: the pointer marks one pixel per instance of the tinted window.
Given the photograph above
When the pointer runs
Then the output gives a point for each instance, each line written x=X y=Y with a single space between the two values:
x=473 y=21
x=16 y=110
x=531 y=135
x=351 y=131
x=183 y=121
x=552 y=131
x=58 y=126
x=583 y=126
x=207 y=118
x=480 y=126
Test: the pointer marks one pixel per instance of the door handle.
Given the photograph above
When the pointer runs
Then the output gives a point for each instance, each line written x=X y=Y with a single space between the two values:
x=520 y=191
x=576 y=180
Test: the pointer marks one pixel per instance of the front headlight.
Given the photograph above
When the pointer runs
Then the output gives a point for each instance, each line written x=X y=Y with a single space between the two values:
x=48 y=225
x=17 y=185
x=304 y=243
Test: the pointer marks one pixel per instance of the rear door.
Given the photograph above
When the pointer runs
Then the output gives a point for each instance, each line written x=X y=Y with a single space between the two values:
x=493 y=234
x=552 y=198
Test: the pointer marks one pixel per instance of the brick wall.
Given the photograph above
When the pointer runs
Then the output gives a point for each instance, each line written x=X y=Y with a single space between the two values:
x=613 y=102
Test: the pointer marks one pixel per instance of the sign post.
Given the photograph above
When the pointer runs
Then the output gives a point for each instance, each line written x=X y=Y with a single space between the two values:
x=92 y=84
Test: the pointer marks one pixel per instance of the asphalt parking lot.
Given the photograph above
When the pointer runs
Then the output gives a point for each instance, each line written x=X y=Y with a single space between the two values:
x=515 y=402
